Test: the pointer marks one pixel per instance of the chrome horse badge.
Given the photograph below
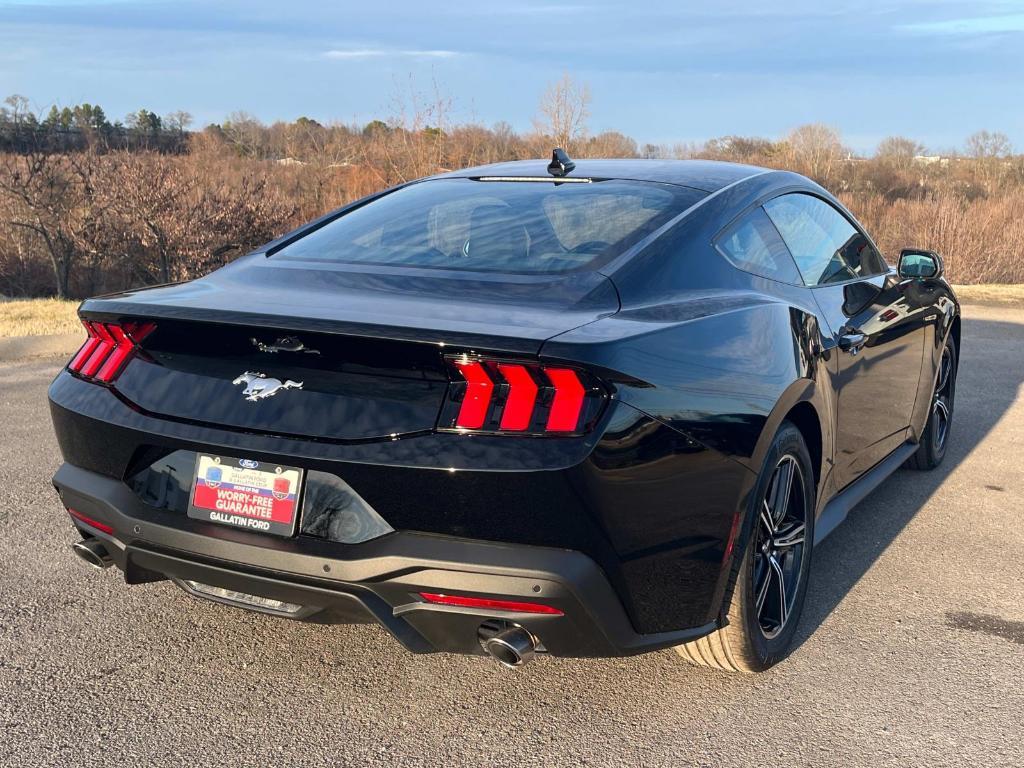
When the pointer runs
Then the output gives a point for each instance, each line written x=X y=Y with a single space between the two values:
x=259 y=387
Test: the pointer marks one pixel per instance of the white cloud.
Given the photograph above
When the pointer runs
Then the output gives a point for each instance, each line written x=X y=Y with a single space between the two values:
x=979 y=25
x=374 y=53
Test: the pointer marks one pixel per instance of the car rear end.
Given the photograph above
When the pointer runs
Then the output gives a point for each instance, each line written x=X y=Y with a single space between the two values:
x=357 y=442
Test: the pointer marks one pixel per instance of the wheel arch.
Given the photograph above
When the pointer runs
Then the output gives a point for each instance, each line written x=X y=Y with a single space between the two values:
x=954 y=333
x=805 y=418
x=803 y=405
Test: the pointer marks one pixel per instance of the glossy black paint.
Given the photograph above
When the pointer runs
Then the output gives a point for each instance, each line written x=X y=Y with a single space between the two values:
x=702 y=361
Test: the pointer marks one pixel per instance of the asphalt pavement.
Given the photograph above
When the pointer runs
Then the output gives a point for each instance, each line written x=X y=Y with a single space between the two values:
x=911 y=645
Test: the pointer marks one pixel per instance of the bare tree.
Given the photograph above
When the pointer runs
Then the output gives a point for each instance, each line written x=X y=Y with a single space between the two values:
x=178 y=121
x=611 y=144
x=55 y=198
x=746 y=149
x=987 y=146
x=245 y=133
x=899 y=150
x=815 y=149
x=414 y=140
x=563 y=113
x=178 y=224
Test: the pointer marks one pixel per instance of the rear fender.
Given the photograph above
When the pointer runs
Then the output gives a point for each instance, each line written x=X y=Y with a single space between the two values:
x=802 y=391
x=722 y=368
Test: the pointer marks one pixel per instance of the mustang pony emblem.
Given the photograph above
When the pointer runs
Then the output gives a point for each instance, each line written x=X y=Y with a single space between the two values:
x=284 y=344
x=259 y=387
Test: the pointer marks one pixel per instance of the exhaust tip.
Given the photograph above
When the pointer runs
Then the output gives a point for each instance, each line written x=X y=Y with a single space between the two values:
x=93 y=552
x=512 y=648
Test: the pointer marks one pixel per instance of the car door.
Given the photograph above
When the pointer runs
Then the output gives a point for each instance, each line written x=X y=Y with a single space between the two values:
x=878 y=332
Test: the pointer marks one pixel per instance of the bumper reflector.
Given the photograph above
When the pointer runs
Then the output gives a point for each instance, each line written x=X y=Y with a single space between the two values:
x=89 y=521
x=491 y=604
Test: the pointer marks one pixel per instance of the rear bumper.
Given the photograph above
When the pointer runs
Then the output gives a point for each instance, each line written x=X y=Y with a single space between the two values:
x=375 y=581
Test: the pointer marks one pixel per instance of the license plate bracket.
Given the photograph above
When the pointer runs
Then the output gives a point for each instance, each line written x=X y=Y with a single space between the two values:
x=258 y=496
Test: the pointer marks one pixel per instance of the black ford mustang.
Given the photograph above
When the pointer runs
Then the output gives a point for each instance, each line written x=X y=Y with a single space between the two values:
x=584 y=410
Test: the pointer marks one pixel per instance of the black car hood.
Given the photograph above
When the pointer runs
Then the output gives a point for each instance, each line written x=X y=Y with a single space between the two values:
x=510 y=312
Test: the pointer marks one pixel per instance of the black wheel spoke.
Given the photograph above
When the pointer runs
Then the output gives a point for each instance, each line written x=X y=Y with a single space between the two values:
x=783 y=489
x=762 y=590
x=945 y=368
x=780 y=578
x=767 y=524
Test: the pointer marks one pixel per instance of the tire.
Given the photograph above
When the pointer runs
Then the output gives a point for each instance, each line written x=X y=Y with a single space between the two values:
x=752 y=640
x=935 y=438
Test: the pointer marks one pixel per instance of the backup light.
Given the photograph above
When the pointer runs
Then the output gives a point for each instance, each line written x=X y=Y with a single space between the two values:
x=526 y=398
x=108 y=349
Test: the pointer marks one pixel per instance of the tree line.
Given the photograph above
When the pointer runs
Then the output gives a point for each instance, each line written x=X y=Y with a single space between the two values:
x=88 y=205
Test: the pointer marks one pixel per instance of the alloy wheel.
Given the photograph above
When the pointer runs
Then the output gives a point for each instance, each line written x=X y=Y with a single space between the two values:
x=779 y=546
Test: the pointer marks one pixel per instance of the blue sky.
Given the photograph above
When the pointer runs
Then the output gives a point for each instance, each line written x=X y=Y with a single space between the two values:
x=935 y=70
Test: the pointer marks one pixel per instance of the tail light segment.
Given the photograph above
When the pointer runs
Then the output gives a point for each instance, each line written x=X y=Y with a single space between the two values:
x=108 y=349
x=520 y=398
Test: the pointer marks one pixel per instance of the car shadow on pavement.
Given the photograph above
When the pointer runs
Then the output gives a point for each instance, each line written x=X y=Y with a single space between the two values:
x=988 y=383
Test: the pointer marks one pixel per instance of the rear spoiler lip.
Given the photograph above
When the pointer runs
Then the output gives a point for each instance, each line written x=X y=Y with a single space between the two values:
x=516 y=343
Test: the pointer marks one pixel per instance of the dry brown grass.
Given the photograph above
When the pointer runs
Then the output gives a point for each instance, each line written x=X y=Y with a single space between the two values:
x=1006 y=295
x=38 y=317
x=981 y=240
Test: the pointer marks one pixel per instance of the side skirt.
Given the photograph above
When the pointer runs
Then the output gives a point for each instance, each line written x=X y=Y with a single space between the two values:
x=853 y=494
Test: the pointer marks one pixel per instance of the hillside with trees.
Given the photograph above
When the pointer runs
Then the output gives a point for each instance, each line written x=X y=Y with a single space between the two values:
x=90 y=206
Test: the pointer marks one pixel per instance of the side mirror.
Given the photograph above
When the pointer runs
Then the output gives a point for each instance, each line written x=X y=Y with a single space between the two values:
x=919 y=265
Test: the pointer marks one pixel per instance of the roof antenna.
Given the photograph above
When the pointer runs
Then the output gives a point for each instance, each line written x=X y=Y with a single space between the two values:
x=560 y=163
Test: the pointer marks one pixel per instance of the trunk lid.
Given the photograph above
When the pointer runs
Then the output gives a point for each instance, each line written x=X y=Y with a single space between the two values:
x=341 y=354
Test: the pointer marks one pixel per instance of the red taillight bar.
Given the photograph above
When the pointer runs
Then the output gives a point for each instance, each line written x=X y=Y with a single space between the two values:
x=521 y=397
x=490 y=604
x=89 y=521
x=122 y=349
x=104 y=348
x=108 y=349
x=87 y=348
x=477 y=399
x=568 y=402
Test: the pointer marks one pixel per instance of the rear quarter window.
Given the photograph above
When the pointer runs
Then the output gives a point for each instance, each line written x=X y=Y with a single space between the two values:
x=754 y=245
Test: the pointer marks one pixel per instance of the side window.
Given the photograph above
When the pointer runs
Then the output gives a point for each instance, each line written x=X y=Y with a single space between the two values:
x=753 y=245
x=826 y=246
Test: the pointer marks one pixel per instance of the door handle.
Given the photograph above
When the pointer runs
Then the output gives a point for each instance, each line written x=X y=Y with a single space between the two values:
x=852 y=341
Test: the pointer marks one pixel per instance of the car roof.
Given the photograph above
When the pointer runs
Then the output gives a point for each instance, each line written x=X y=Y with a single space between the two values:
x=706 y=175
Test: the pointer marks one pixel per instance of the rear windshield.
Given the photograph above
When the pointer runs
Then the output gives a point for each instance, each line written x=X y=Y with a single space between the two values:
x=497 y=226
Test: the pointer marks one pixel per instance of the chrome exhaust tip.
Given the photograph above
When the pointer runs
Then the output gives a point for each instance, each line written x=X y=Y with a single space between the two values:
x=512 y=648
x=93 y=552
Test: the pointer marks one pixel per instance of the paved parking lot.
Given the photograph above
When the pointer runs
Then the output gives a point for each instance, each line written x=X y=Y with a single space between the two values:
x=912 y=641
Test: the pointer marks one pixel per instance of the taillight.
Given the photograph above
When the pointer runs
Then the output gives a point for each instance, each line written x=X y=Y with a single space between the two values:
x=108 y=349
x=518 y=397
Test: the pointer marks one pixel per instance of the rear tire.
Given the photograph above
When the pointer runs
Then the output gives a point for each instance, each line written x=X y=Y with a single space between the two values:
x=932 y=448
x=769 y=576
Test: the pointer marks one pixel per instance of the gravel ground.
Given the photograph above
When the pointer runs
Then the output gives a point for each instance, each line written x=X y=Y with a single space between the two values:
x=911 y=652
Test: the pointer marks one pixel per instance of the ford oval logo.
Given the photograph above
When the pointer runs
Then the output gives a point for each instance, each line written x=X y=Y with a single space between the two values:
x=248 y=463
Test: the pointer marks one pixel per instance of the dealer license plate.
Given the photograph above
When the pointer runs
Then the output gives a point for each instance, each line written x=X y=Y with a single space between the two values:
x=256 y=495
